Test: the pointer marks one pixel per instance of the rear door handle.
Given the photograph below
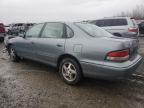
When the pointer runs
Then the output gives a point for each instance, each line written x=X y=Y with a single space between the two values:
x=32 y=42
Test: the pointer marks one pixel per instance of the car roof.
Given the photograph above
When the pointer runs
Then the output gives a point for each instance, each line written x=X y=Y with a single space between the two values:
x=115 y=17
x=55 y=22
x=111 y=18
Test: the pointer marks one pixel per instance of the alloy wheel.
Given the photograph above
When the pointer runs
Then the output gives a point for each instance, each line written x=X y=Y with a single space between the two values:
x=69 y=71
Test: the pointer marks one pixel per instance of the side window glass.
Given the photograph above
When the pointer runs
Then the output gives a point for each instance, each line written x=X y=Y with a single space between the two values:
x=53 y=30
x=69 y=32
x=119 y=22
x=34 y=31
x=107 y=22
x=100 y=23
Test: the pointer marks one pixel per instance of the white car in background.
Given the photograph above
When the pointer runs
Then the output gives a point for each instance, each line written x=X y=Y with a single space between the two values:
x=118 y=26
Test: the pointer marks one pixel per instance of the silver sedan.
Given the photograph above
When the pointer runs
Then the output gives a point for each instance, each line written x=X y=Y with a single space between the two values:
x=78 y=50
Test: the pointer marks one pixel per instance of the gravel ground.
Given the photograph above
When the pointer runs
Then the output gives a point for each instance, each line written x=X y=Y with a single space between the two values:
x=29 y=84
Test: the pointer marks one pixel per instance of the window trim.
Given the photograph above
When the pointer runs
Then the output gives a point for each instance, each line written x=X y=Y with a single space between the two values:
x=70 y=29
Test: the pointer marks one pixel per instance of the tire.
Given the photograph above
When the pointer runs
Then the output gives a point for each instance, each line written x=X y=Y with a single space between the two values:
x=70 y=71
x=13 y=55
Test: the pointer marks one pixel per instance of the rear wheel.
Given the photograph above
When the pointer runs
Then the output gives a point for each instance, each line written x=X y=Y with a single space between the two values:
x=13 y=55
x=70 y=71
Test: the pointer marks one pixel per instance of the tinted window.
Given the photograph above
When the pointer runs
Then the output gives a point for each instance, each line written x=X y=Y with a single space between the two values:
x=53 y=30
x=119 y=22
x=108 y=22
x=100 y=23
x=93 y=30
x=111 y=22
x=34 y=31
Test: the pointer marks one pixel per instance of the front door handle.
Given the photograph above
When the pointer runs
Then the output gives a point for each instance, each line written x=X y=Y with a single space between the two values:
x=59 y=45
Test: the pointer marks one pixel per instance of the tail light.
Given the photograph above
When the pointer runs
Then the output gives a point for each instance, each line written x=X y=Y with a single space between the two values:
x=118 y=56
x=132 y=29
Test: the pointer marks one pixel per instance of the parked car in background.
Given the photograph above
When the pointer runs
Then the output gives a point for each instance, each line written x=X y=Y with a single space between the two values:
x=7 y=28
x=25 y=27
x=78 y=50
x=2 y=32
x=15 y=28
x=119 y=26
x=141 y=28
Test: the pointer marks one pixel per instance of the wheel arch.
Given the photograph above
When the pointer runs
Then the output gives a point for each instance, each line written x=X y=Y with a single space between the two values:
x=117 y=34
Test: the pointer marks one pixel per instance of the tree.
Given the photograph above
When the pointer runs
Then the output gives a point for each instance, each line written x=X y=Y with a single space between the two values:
x=137 y=13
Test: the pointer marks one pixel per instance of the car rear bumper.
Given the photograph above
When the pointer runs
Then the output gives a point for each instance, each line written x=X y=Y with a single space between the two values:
x=110 y=70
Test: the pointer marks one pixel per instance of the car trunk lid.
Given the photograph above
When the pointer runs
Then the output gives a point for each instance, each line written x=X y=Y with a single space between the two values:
x=131 y=44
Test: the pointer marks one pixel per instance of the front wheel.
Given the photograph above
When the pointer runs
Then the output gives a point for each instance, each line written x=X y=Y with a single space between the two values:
x=13 y=55
x=70 y=71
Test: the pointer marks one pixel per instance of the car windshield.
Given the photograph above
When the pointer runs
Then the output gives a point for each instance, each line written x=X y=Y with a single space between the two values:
x=93 y=30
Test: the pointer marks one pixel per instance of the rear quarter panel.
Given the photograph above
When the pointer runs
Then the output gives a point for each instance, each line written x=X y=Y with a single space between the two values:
x=90 y=49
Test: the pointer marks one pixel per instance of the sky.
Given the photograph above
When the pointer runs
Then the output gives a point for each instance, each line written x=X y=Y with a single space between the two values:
x=14 y=11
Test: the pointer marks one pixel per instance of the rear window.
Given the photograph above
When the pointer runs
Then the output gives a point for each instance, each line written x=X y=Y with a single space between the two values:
x=111 y=22
x=93 y=30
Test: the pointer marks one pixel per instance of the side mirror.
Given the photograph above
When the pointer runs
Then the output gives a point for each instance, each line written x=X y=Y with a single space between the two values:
x=22 y=35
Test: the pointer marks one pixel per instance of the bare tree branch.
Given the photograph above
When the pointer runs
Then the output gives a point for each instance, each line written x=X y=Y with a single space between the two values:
x=137 y=13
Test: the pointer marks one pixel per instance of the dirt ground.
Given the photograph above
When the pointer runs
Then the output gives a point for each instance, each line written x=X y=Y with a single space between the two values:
x=29 y=84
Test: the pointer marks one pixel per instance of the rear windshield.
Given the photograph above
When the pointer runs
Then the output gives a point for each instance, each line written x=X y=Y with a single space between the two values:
x=93 y=30
x=111 y=22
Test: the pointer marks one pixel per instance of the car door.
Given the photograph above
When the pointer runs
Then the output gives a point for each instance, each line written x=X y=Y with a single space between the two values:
x=27 y=44
x=51 y=44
